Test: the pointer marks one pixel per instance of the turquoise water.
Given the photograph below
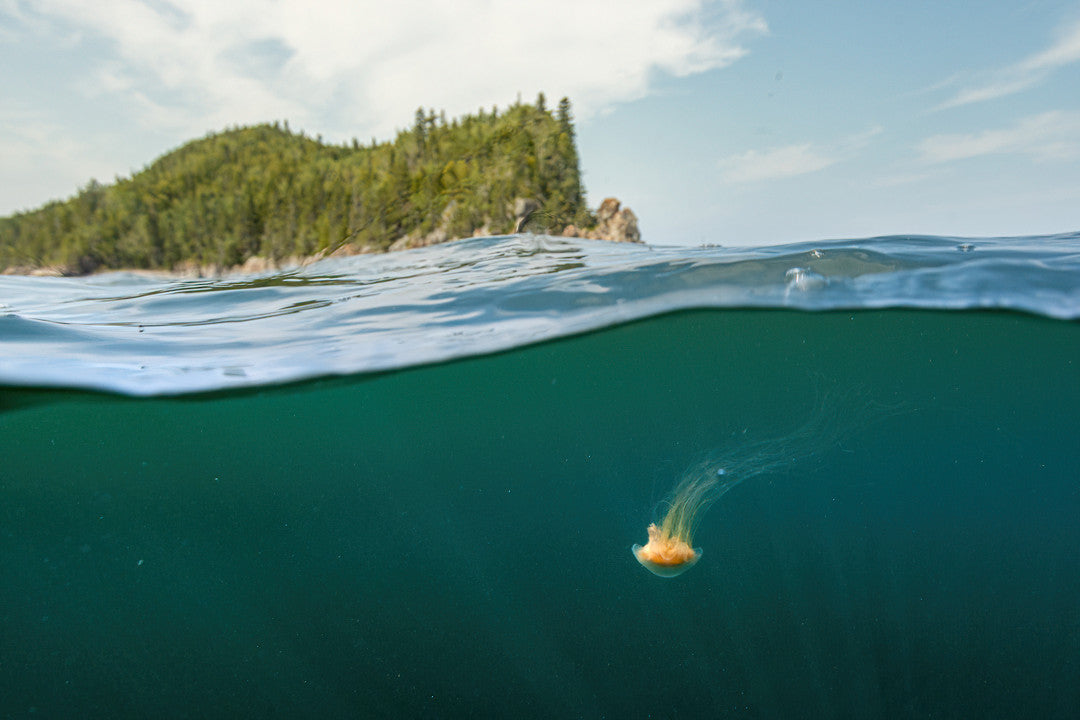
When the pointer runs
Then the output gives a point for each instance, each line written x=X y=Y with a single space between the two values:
x=321 y=493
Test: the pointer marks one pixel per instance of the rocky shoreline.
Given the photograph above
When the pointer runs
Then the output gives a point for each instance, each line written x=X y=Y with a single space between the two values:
x=614 y=224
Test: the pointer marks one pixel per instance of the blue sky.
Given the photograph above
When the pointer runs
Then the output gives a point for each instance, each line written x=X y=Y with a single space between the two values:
x=738 y=123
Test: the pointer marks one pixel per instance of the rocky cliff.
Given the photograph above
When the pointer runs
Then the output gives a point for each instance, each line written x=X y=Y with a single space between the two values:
x=613 y=223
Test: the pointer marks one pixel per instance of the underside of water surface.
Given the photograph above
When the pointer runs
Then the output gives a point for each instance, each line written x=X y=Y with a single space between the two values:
x=452 y=539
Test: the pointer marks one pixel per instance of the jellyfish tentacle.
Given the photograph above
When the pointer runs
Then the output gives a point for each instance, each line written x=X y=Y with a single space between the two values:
x=670 y=551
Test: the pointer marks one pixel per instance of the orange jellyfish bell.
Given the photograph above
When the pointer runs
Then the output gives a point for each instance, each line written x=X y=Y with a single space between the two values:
x=670 y=550
x=666 y=556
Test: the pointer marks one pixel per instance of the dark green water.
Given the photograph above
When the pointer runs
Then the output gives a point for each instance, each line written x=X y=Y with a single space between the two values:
x=453 y=540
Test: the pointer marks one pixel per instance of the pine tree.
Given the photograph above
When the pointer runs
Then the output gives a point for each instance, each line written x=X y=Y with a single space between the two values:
x=566 y=117
x=265 y=190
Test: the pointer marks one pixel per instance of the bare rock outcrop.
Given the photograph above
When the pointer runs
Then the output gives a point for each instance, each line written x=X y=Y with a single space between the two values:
x=438 y=235
x=614 y=223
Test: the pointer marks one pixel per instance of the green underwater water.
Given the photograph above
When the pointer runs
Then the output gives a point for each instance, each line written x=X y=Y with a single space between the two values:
x=453 y=540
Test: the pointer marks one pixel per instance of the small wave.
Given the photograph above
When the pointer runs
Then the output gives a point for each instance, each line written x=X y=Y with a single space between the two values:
x=149 y=335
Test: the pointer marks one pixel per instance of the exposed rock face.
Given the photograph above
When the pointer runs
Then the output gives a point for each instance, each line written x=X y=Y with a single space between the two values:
x=523 y=210
x=613 y=224
x=436 y=236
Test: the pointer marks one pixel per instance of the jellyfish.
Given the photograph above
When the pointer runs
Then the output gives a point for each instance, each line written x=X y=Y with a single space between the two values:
x=670 y=549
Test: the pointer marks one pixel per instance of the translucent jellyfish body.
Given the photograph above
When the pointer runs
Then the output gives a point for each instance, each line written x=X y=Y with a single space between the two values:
x=670 y=550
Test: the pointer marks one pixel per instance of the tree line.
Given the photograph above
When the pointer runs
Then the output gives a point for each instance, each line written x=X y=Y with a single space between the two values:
x=268 y=191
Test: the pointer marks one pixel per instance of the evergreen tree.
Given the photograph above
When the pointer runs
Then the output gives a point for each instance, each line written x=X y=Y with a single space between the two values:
x=268 y=191
x=420 y=130
x=566 y=117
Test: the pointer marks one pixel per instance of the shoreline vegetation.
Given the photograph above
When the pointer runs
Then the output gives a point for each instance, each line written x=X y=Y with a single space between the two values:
x=251 y=199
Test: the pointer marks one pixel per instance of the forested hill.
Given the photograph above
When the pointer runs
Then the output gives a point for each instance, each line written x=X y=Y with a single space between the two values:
x=266 y=191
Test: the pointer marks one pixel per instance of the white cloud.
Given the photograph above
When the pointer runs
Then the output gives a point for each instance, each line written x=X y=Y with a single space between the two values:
x=1027 y=73
x=774 y=163
x=903 y=178
x=791 y=160
x=1063 y=52
x=1051 y=136
x=30 y=140
x=362 y=67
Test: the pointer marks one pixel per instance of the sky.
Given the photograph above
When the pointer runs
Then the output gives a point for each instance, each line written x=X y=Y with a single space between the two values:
x=733 y=122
